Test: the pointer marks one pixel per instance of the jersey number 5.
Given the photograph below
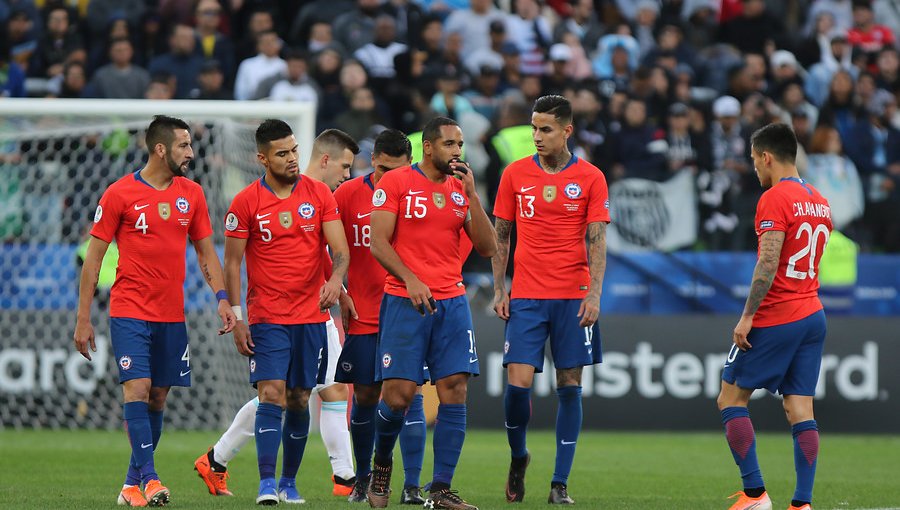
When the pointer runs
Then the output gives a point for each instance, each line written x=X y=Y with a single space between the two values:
x=810 y=249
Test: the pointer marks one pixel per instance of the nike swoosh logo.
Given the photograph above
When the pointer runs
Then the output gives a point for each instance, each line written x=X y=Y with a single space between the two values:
x=263 y=431
x=261 y=216
x=727 y=365
x=563 y=441
x=524 y=189
x=473 y=360
x=510 y=428
x=411 y=192
x=382 y=416
x=137 y=208
x=414 y=422
x=360 y=216
x=360 y=422
x=146 y=445
x=297 y=437
x=185 y=373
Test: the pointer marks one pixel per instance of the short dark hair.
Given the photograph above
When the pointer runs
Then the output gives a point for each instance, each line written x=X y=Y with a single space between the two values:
x=162 y=130
x=776 y=139
x=558 y=106
x=271 y=130
x=332 y=140
x=432 y=130
x=393 y=143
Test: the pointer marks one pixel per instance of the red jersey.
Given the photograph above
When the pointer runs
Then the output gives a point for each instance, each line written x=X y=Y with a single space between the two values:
x=794 y=207
x=284 y=249
x=151 y=227
x=365 y=276
x=430 y=217
x=872 y=41
x=552 y=212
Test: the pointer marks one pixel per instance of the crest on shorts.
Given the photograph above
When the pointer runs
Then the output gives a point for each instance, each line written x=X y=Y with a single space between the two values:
x=439 y=200
x=125 y=362
x=182 y=205
x=252 y=366
x=286 y=219
x=549 y=193
x=386 y=359
x=346 y=366
x=165 y=210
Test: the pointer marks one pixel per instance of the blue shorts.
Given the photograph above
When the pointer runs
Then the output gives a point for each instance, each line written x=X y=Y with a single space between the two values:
x=532 y=321
x=296 y=354
x=784 y=358
x=357 y=362
x=155 y=350
x=410 y=345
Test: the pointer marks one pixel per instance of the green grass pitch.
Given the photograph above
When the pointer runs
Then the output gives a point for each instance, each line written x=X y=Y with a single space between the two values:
x=84 y=469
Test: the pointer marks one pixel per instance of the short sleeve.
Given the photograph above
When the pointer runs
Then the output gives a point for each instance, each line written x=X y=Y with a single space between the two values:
x=771 y=213
x=107 y=216
x=201 y=227
x=386 y=196
x=330 y=211
x=237 y=220
x=598 y=200
x=505 y=202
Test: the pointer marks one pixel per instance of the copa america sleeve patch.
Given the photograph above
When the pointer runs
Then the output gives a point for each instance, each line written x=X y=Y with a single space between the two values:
x=231 y=222
x=764 y=224
x=98 y=214
x=379 y=198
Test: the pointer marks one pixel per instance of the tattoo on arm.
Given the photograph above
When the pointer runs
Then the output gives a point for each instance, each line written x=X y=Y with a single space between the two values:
x=596 y=239
x=501 y=259
x=764 y=274
x=205 y=268
x=338 y=262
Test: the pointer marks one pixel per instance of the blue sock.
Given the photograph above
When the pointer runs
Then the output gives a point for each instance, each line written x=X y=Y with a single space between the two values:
x=518 y=412
x=449 y=434
x=141 y=438
x=742 y=441
x=293 y=441
x=806 y=453
x=362 y=433
x=387 y=427
x=156 y=423
x=412 y=442
x=568 y=425
x=268 y=435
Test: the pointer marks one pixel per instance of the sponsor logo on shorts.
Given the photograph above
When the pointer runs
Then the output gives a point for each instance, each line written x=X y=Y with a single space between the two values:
x=125 y=362
x=182 y=205
x=346 y=366
x=386 y=360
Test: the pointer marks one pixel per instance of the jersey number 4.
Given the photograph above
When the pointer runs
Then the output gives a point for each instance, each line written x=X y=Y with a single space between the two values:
x=810 y=249
x=141 y=223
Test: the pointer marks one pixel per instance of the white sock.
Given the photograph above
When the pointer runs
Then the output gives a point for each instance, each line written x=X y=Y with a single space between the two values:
x=239 y=432
x=336 y=436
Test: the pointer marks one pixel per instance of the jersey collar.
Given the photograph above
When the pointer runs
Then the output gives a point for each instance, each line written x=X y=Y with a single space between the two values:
x=138 y=178
x=262 y=180
x=799 y=181
x=415 y=166
x=368 y=180
x=537 y=161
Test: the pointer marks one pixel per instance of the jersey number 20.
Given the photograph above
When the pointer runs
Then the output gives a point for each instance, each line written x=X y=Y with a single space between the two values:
x=810 y=249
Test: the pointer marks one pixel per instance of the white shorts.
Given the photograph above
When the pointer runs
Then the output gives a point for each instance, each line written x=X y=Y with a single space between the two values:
x=334 y=352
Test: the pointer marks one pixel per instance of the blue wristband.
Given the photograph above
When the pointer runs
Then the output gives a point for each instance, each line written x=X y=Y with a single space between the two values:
x=220 y=295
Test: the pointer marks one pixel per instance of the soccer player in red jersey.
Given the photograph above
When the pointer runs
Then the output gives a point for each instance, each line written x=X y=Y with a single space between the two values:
x=150 y=213
x=554 y=198
x=281 y=222
x=424 y=317
x=779 y=339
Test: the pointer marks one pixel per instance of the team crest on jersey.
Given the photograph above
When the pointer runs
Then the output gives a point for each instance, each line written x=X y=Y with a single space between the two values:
x=457 y=198
x=286 y=219
x=386 y=359
x=125 y=362
x=573 y=190
x=346 y=366
x=231 y=222
x=379 y=198
x=439 y=200
x=182 y=205
x=306 y=210
x=549 y=193
x=252 y=366
x=165 y=210
x=98 y=214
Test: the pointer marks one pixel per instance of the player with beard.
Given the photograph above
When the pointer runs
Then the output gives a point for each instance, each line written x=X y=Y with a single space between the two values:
x=281 y=222
x=417 y=215
x=150 y=213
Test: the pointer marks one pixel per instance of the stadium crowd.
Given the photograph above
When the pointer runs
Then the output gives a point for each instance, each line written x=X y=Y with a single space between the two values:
x=658 y=86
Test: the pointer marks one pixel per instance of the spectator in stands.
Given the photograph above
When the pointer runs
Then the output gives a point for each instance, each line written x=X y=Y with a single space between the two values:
x=150 y=40
x=558 y=79
x=74 y=81
x=490 y=54
x=22 y=40
x=12 y=77
x=818 y=80
x=617 y=56
x=296 y=85
x=753 y=29
x=590 y=132
x=473 y=24
x=447 y=101
x=840 y=12
x=356 y=28
x=211 y=43
x=409 y=16
x=831 y=172
x=839 y=109
x=792 y=101
x=686 y=150
x=261 y=21
x=887 y=76
x=511 y=73
x=378 y=55
x=645 y=25
x=865 y=34
x=321 y=37
x=718 y=187
x=583 y=23
x=101 y=12
x=888 y=13
x=485 y=94
x=314 y=13
x=60 y=40
x=255 y=70
x=638 y=148
x=361 y=115
x=120 y=79
x=531 y=33
x=816 y=43
x=182 y=60
x=211 y=81
x=161 y=87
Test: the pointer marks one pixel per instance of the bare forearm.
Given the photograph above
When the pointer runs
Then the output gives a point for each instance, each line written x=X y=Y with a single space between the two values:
x=764 y=273
x=340 y=261
x=483 y=236
x=385 y=254
x=596 y=240
x=500 y=260
x=90 y=275
x=233 y=281
x=212 y=272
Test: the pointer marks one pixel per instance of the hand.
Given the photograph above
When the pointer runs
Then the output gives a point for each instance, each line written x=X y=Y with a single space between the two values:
x=420 y=295
x=84 y=337
x=348 y=310
x=227 y=316
x=465 y=176
x=589 y=311
x=329 y=294
x=501 y=304
x=242 y=339
x=741 y=331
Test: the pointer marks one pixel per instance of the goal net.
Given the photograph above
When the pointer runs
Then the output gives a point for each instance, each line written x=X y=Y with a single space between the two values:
x=56 y=159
